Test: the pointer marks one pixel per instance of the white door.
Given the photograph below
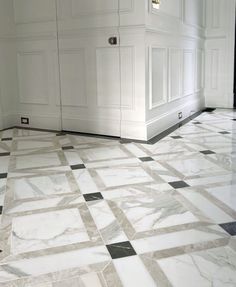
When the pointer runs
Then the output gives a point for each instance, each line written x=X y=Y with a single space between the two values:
x=89 y=59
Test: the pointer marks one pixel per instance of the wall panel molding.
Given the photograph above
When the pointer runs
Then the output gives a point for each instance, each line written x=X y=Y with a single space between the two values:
x=33 y=77
x=34 y=11
x=158 y=83
x=188 y=72
x=73 y=77
x=175 y=74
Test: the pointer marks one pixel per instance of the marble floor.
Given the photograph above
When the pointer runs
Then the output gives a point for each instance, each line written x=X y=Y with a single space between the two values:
x=80 y=211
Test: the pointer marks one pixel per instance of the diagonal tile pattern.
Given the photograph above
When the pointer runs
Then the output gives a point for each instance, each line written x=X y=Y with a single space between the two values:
x=87 y=211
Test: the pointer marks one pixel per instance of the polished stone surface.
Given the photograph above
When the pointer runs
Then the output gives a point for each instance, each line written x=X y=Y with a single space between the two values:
x=80 y=211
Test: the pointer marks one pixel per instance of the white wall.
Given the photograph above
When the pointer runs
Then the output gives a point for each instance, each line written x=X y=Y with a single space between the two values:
x=8 y=81
x=175 y=61
x=219 y=47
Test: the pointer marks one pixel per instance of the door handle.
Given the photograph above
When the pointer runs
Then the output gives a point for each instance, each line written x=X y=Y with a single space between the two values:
x=112 y=41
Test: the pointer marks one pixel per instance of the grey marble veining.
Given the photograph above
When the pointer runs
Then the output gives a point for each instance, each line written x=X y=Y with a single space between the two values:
x=84 y=211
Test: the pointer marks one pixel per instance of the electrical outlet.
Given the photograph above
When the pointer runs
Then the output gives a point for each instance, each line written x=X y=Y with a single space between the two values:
x=24 y=121
x=180 y=115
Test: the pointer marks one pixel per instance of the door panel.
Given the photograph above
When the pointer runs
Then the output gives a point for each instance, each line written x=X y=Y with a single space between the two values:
x=89 y=66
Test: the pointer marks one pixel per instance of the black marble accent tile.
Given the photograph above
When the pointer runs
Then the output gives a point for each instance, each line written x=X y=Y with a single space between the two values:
x=77 y=166
x=225 y=133
x=1 y=209
x=60 y=134
x=178 y=184
x=146 y=159
x=121 y=249
x=233 y=119
x=67 y=147
x=4 y=154
x=207 y=152
x=229 y=227
x=125 y=141
x=6 y=139
x=93 y=196
x=209 y=110
x=3 y=175
x=176 y=137
x=197 y=123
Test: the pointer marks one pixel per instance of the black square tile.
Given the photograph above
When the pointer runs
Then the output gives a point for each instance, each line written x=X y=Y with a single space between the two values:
x=3 y=175
x=207 y=152
x=67 y=147
x=125 y=141
x=178 y=184
x=224 y=133
x=93 y=196
x=77 y=166
x=60 y=134
x=4 y=154
x=234 y=120
x=229 y=227
x=1 y=209
x=197 y=123
x=176 y=137
x=146 y=159
x=6 y=139
x=120 y=250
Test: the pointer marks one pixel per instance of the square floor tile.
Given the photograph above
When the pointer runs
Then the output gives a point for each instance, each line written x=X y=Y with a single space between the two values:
x=224 y=133
x=146 y=211
x=195 y=166
x=93 y=196
x=3 y=175
x=118 y=176
x=176 y=137
x=4 y=154
x=6 y=139
x=67 y=147
x=46 y=230
x=178 y=184
x=120 y=250
x=144 y=159
x=4 y=164
x=1 y=209
x=103 y=153
x=206 y=152
x=40 y=186
x=77 y=166
x=213 y=267
x=197 y=123
x=37 y=160
x=229 y=227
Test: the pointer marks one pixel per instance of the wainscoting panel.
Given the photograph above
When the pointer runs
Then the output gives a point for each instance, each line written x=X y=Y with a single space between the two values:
x=175 y=74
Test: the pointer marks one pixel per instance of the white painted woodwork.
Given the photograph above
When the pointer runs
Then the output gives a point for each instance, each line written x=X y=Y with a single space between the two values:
x=168 y=61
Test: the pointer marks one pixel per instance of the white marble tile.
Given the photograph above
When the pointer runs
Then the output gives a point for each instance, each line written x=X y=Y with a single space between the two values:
x=176 y=239
x=41 y=186
x=132 y=272
x=86 y=280
x=213 y=267
x=4 y=163
x=226 y=194
x=195 y=166
x=37 y=160
x=2 y=190
x=208 y=208
x=33 y=144
x=85 y=181
x=53 y=263
x=73 y=157
x=135 y=150
x=153 y=210
x=118 y=176
x=47 y=230
x=102 y=153
x=106 y=222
